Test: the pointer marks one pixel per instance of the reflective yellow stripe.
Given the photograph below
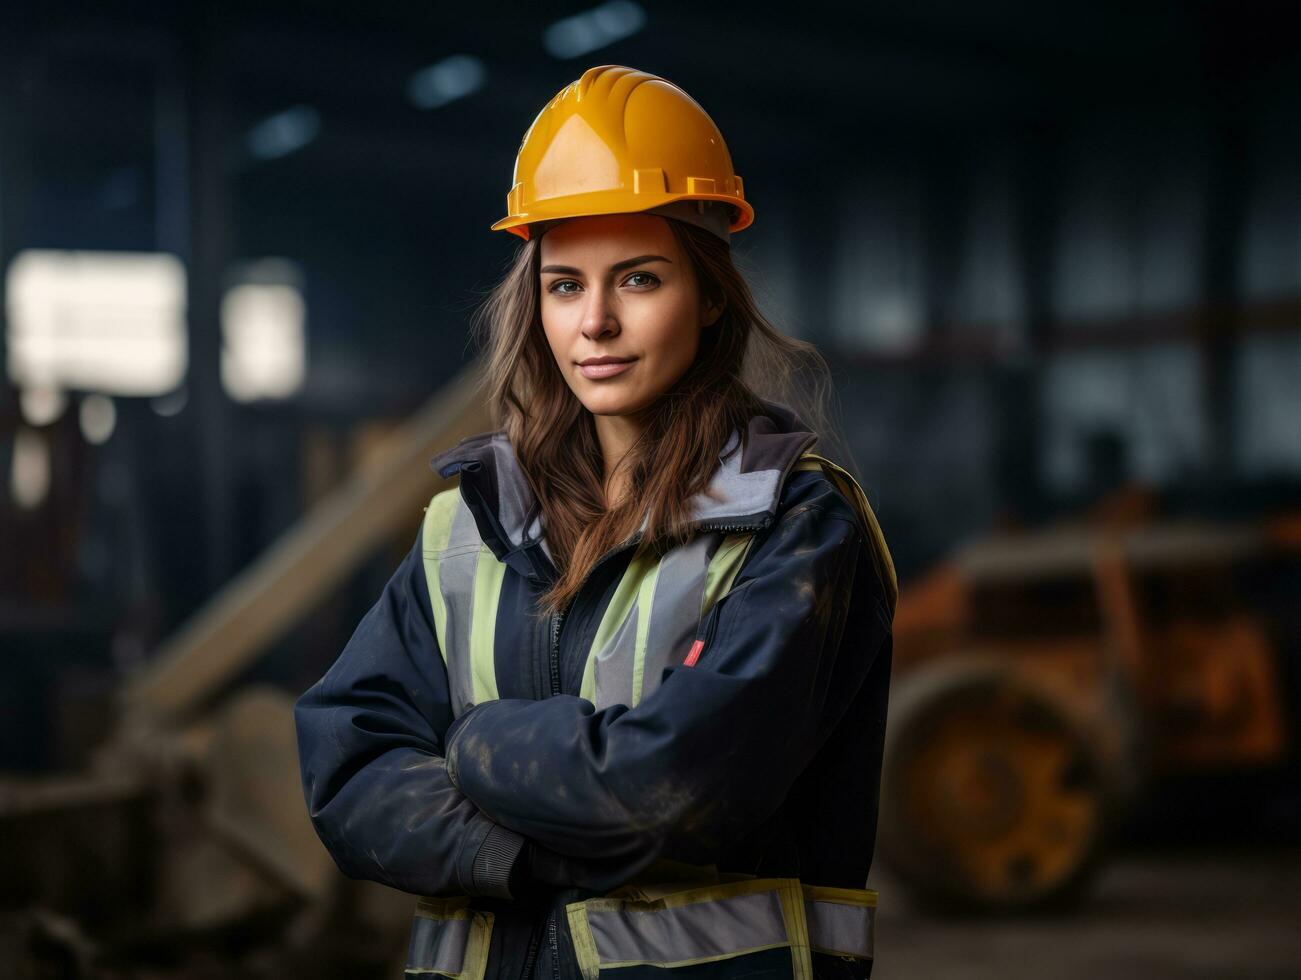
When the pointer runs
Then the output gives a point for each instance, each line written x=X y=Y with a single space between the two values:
x=645 y=600
x=488 y=576
x=797 y=931
x=727 y=561
x=434 y=534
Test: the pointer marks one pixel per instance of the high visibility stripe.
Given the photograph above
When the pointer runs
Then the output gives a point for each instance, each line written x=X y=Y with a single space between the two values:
x=797 y=931
x=464 y=579
x=488 y=576
x=449 y=939
x=645 y=607
x=434 y=535
x=655 y=610
x=437 y=945
x=841 y=920
x=607 y=672
x=670 y=610
x=841 y=929
x=691 y=926
x=730 y=925
x=651 y=619
x=727 y=561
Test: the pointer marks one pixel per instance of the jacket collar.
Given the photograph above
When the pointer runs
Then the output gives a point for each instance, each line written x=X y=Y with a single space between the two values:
x=745 y=489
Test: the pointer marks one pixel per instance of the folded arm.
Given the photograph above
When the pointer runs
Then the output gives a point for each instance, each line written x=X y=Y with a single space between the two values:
x=370 y=741
x=714 y=749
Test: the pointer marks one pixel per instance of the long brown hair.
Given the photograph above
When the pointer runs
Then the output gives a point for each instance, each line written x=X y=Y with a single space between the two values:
x=741 y=359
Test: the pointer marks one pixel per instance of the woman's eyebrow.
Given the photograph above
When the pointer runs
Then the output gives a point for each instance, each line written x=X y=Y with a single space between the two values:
x=569 y=270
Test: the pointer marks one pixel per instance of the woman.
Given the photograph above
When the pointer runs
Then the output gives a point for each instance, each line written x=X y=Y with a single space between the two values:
x=622 y=706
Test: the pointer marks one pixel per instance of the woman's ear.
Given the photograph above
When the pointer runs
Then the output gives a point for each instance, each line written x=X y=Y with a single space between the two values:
x=712 y=312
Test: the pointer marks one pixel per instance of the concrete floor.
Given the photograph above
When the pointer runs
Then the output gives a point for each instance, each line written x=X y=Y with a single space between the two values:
x=1209 y=912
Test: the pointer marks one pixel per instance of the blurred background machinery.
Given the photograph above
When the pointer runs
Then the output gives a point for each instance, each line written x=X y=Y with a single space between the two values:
x=1054 y=260
x=1046 y=679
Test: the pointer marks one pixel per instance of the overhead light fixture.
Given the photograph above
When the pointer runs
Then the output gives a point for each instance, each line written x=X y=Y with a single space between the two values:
x=446 y=81
x=592 y=29
x=282 y=134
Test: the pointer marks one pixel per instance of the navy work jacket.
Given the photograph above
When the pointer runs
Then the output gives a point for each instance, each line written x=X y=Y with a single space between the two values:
x=695 y=730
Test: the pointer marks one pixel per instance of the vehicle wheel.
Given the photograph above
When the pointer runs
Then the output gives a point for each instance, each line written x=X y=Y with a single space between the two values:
x=992 y=796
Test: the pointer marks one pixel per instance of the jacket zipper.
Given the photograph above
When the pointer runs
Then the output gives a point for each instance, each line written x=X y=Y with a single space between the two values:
x=557 y=623
x=558 y=618
x=555 y=946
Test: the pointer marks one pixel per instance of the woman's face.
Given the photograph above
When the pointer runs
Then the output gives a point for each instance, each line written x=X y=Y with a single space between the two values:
x=618 y=285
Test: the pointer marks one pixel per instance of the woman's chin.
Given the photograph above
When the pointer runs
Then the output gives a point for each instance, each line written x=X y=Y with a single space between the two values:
x=610 y=402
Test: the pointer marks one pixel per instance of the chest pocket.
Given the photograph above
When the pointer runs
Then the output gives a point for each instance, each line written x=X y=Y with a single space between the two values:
x=647 y=625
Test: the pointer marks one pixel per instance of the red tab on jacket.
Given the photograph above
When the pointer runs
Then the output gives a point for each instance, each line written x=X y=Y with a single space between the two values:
x=694 y=655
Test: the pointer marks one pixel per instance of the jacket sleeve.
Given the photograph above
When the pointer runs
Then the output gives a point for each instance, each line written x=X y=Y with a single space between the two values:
x=370 y=743
x=713 y=751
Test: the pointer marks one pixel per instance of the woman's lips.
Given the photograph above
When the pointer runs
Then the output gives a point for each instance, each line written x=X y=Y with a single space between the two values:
x=605 y=370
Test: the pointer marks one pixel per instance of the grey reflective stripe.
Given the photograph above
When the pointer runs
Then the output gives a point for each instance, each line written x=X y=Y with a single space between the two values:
x=513 y=492
x=720 y=927
x=675 y=609
x=653 y=615
x=437 y=944
x=610 y=665
x=838 y=927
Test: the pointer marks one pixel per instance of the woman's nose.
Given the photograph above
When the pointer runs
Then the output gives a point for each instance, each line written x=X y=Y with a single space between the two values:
x=598 y=315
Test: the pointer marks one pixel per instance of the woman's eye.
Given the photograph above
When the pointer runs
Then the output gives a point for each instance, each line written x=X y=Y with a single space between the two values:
x=646 y=275
x=555 y=286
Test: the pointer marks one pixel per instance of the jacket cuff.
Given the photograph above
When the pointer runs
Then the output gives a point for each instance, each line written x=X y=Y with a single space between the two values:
x=490 y=871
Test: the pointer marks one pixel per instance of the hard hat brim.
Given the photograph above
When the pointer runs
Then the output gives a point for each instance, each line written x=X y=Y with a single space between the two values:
x=589 y=205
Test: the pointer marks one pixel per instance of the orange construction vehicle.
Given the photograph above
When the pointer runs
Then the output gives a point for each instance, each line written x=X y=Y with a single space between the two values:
x=1045 y=679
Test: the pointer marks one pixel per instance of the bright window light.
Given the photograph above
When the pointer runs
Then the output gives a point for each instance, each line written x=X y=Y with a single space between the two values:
x=593 y=28
x=264 y=336
x=112 y=322
x=450 y=79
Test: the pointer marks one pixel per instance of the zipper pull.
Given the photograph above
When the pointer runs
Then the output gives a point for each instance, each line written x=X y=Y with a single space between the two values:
x=694 y=655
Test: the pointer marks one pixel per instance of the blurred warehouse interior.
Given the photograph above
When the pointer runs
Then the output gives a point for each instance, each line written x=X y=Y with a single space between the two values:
x=1053 y=254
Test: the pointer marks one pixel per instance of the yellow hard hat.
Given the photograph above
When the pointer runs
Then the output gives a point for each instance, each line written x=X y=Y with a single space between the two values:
x=617 y=140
